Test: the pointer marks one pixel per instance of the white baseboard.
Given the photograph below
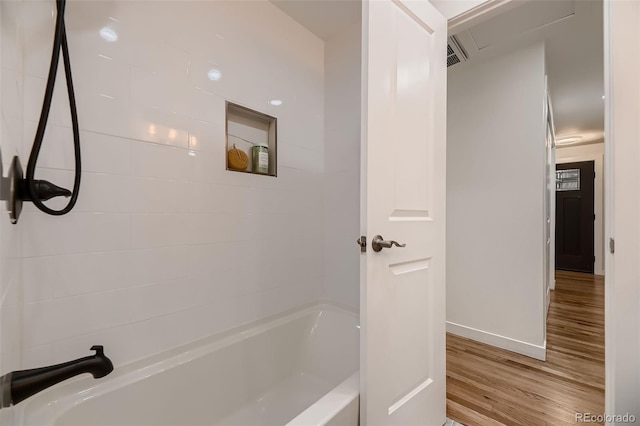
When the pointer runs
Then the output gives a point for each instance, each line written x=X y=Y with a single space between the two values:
x=513 y=345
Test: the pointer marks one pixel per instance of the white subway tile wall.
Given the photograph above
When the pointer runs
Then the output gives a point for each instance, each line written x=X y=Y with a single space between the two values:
x=11 y=126
x=164 y=246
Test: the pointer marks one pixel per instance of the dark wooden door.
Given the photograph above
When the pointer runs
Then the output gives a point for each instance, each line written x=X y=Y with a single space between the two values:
x=574 y=216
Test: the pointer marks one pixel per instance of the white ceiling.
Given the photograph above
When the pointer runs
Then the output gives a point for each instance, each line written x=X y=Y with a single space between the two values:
x=573 y=35
x=572 y=31
x=324 y=18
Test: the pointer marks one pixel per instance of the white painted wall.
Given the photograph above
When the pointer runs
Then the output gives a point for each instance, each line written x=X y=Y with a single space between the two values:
x=622 y=199
x=342 y=166
x=595 y=153
x=164 y=247
x=495 y=189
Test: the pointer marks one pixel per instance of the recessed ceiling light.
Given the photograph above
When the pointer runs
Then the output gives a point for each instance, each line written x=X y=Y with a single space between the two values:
x=602 y=96
x=568 y=140
x=275 y=102
x=108 y=34
x=214 y=74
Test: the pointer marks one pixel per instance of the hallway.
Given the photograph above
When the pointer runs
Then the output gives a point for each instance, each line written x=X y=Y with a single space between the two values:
x=491 y=386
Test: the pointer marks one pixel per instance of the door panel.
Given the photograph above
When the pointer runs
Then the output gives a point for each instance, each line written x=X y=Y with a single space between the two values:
x=402 y=292
x=571 y=207
x=575 y=217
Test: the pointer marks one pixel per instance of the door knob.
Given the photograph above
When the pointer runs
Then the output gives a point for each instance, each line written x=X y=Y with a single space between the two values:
x=378 y=243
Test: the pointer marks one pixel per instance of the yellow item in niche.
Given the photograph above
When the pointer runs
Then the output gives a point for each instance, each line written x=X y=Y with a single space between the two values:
x=238 y=159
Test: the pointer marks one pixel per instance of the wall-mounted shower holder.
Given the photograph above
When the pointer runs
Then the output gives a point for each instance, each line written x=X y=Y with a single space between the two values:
x=14 y=189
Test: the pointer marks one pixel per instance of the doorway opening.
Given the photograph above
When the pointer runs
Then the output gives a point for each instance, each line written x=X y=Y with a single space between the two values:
x=526 y=320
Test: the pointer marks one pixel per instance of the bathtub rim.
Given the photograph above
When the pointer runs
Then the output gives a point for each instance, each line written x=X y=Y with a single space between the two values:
x=331 y=404
x=50 y=404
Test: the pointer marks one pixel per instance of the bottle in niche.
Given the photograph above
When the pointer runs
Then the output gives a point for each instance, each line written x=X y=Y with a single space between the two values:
x=260 y=159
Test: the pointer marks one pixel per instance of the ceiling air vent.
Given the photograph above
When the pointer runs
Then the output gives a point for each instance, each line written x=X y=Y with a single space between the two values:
x=455 y=52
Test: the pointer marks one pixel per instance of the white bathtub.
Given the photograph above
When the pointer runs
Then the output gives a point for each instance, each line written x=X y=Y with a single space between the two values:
x=299 y=368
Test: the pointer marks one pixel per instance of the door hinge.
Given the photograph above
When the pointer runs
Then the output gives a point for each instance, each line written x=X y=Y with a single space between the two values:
x=594 y=217
x=612 y=245
x=362 y=242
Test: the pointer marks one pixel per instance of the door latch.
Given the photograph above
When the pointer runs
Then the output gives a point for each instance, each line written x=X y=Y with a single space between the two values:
x=612 y=245
x=362 y=242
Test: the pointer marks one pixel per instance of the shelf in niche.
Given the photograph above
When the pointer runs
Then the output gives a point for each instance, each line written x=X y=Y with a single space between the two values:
x=245 y=128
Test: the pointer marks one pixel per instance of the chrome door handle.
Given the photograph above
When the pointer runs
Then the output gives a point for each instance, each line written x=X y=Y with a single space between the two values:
x=378 y=243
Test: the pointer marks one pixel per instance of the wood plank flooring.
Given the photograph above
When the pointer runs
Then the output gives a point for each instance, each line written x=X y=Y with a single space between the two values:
x=491 y=386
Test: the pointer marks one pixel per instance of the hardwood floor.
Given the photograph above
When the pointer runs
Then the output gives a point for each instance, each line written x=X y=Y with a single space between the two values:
x=491 y=386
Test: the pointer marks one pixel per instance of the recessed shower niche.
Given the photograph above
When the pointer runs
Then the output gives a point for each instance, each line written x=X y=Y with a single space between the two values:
x=251 y=141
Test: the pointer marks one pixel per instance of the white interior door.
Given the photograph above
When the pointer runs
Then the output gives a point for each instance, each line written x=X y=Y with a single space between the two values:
x=403 y=370
x=551 y=191
x=548 y=194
